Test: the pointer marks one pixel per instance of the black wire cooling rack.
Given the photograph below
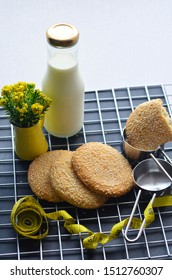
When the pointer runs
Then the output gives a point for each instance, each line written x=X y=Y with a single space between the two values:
x=106 y=112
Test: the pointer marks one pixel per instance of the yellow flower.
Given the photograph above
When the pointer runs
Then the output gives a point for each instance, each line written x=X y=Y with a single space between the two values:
x=24 y=104
x=31 y=85
x=48 y=101
x=36 y=108
x=6 y=90
x=18 y=109
x=20 y=86
x=23 y=110
x=21 y=95
x=42 y=95
x=16 y=99
x=3 y=101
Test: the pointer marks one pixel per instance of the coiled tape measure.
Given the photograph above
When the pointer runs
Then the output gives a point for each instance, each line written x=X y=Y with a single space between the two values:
x=30 y=220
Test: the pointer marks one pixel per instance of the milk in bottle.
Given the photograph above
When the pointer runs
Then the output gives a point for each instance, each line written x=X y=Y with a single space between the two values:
x=62 y=82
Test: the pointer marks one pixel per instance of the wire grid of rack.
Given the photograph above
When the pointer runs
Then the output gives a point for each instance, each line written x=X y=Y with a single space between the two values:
x=106 y=112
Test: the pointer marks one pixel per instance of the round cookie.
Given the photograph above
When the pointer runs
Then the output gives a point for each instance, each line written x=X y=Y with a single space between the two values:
x=67 y=185
x=103 y=169
x=38 y=176
x=149 y=126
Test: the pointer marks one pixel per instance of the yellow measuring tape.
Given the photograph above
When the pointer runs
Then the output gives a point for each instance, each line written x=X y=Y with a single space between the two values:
x=30 y=220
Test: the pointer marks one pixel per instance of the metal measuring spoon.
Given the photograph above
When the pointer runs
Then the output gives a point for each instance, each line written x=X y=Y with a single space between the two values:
x=153 y=175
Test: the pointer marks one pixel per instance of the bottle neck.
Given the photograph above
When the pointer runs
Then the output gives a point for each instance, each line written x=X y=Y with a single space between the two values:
x=62 y=54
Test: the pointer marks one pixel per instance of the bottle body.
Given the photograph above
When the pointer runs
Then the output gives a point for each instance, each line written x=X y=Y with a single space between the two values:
x=62 y=82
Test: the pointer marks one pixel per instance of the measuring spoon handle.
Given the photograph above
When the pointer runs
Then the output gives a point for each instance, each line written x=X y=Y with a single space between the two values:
x=131 y=217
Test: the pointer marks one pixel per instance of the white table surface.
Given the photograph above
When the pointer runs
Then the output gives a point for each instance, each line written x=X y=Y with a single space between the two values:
x=122 y=42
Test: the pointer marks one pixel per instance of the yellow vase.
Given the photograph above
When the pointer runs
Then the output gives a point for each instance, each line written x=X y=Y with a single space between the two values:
x=41 y=121
x=30 y=142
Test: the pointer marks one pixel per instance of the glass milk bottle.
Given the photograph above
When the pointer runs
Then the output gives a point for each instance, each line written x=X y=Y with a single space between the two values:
x=62 y=82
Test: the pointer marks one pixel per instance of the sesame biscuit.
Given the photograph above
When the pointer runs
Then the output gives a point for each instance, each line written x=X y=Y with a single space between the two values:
x=38 y=176
x=67 y=185
x=149 y=126
x=103 y=169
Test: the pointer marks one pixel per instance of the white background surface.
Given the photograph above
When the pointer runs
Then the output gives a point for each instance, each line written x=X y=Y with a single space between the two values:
x=122 y=42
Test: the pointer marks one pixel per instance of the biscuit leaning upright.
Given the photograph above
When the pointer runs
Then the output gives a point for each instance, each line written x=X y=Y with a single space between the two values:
x=103 y=169
x=38 y=176
x=66 y=184
x=149 y=126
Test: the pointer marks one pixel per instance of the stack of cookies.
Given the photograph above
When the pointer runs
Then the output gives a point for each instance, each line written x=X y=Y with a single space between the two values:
x=85 y=178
